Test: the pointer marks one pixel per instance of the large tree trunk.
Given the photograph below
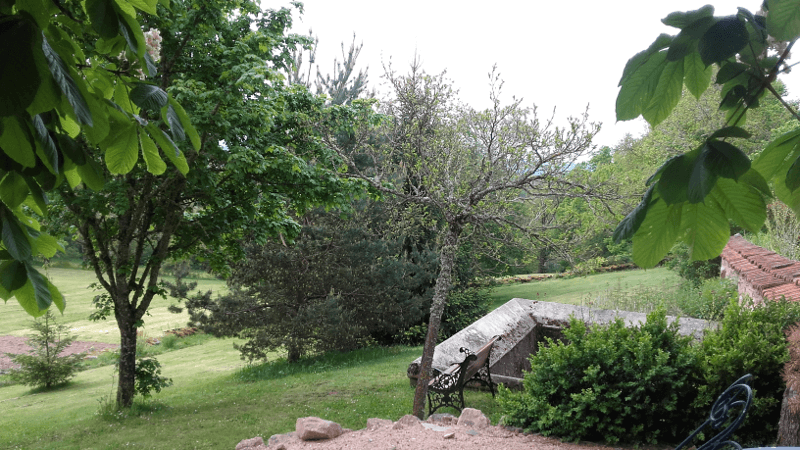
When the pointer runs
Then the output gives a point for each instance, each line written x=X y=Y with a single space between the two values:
x=447 y=257
x=789 y=423
x=127 y=360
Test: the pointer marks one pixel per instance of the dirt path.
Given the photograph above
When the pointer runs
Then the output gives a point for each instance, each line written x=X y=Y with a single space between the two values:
x=17 y=345
x=433 y=435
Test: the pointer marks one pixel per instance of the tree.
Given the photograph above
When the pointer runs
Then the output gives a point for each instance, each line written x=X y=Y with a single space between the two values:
x=75 y=74
x=259 y=163
x=345 y=281
x=693 y=195
x=467 y=167
x=45 y=366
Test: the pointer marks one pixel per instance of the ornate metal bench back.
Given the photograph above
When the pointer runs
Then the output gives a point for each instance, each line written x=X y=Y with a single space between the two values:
x=736 y=399
x=447 y=388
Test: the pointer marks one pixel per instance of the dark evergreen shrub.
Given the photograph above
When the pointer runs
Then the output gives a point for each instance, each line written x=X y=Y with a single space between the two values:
x=610 y=383
x=464 y=306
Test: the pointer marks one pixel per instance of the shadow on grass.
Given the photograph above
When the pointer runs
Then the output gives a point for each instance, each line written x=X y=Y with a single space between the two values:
x=362 y=358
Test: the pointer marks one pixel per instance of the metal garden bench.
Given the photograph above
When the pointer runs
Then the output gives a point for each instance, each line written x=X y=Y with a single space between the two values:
x=447 y=388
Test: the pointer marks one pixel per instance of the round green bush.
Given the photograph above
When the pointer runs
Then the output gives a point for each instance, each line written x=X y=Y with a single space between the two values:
x=609 y=383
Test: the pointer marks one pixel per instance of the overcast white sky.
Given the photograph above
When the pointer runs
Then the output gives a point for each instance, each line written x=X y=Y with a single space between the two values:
x=563 y=54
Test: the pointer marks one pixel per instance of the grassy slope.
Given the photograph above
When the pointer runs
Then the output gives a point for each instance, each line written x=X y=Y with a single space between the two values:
x=209 y=406
x=580 y=290
x=73 y=284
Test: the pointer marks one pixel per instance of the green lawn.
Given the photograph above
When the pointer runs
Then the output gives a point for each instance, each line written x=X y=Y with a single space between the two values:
x=74 y=285
x=216 y=400
x=582 y=290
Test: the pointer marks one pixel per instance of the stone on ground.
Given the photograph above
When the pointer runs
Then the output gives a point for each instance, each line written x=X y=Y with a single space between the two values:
x=407 y=421
x=474 y=418
x=314 y=428
x=256 y=443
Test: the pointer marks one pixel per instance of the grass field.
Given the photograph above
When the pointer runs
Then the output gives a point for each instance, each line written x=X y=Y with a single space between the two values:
x=582 y=290
x=217 y=400
x=74 y=285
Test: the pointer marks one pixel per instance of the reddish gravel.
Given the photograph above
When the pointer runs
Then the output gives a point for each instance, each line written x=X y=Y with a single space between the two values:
x=17 y=345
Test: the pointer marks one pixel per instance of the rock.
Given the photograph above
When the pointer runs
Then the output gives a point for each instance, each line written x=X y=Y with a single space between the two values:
x=376 y=424
x=473 y=418
x=450 y=435
x=280 y=446
x=277 y=439
x=250 y=443
x=314 y=428
x=407 y=421
x=443 y=419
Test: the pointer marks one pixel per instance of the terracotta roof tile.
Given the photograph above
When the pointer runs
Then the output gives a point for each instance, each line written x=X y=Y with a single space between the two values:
x=768 y=273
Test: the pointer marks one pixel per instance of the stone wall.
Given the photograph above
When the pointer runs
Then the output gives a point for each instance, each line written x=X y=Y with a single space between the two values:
x=523 y=325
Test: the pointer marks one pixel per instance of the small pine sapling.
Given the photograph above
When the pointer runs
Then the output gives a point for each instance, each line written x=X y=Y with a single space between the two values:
x=44 y=366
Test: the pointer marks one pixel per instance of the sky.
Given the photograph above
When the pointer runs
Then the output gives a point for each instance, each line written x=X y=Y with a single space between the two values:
x=565 y=55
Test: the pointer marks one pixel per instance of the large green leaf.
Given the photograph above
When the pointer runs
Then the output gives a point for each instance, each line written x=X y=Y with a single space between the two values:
x=123 y=151
x=783 y=19
x=155 y=164
x=790 y=197
x=696 y=75
x=170 y=116
x=792 y=180
x=46 y=245
x=92 y=175
x=657 y=234
x=774 y=157
x=723 y=40
x=169 y=148
x=148 y=96
x=104 y=17
x=662 y=41
x=188 y=128
x=16 y=140
x=706 y=229
x=13 y=189
x=65 y=77
x=732 y=131
x=638 y=88
x=20 y=44
x=12 y=275
x=26 y=296
x=41 y=289
x=674 y=182
x=667 y=93
x=702 y=179
x=742 y=203
x=726 y=160
x=148 y=6
x=682 y=20
x=132 y=32
x=631 y=223
x=46 y=148
x=14 y=237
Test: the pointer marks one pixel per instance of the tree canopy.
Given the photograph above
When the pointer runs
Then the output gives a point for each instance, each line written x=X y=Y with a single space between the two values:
x=76 y=74
x=693 y=196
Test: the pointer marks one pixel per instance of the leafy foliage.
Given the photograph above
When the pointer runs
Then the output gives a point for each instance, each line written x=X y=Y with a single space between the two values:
x=81 y=79
x=609 y=383
x=708 y=300
x=694 y=272
x=148 y=377
x=694 y=194
x=45 y=366
x=347 y=281
x=750 y=339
